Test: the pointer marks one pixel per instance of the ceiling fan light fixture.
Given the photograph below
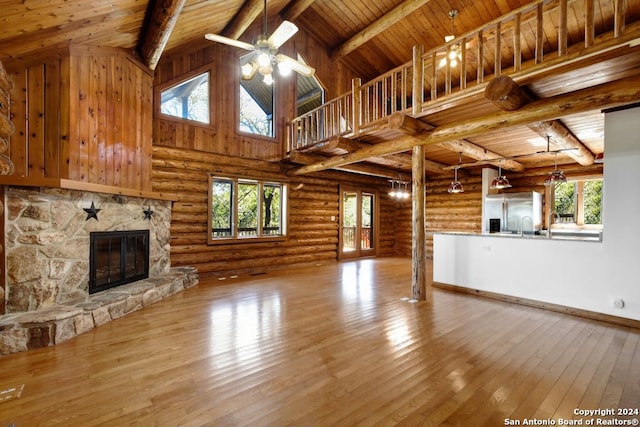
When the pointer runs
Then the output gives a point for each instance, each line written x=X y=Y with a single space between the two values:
x=264 y=52
x=284 y=68
x=248 y=70
x=264 y=59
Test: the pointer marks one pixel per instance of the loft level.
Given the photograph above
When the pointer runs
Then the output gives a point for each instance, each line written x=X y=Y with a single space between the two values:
x=527 y=43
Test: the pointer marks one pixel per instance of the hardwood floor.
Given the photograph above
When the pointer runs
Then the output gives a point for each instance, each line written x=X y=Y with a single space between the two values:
x=330 y=345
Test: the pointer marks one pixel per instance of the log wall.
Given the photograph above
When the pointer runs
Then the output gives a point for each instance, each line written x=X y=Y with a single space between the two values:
x=85 y=116
x=312 y=236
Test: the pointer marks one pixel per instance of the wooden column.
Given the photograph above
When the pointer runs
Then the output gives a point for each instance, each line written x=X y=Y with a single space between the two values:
x=418 y=240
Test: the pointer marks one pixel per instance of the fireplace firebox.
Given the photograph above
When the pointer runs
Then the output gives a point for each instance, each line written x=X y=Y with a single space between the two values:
x=117 y=257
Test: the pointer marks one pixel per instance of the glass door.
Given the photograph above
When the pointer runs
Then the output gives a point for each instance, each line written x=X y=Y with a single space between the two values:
x=357 y=224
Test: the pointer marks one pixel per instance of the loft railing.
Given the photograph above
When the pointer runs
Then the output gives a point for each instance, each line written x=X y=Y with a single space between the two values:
x=520 y=42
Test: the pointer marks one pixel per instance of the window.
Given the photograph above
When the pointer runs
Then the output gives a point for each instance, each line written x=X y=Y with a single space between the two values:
x=578 y=203
x=188 y=99
x=309 y=92
x=256 y=106
x=246 y=209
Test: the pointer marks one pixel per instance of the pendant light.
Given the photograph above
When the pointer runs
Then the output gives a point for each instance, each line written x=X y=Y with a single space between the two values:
x=556 y=176
x=456 y=186
x=500 y=182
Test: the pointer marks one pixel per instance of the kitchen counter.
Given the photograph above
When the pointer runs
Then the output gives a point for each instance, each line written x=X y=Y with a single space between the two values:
x=560 y=234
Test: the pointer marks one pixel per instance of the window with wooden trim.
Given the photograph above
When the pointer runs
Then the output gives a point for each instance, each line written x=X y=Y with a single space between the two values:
x=188 y=99
x=246 y=209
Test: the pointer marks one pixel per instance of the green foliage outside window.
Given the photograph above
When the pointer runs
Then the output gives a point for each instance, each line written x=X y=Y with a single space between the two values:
x=593 y=202
x=249 y=201
x=567 y=199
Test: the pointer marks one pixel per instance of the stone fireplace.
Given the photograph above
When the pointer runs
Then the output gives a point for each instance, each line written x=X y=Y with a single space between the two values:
x=48 y=262
x=48 y=241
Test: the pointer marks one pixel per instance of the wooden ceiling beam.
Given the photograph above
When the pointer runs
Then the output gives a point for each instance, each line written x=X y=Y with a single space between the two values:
x=296 y=8
x=247 y=14
x=507 y=95
x=477 y=152
x=156 y=30
x=606 y=95
x=383 y=23
x=403 y=159
x=359 y=168
x=413 y=126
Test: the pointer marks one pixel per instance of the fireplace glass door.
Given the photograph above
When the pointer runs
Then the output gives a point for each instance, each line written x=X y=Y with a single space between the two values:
x=118 y=257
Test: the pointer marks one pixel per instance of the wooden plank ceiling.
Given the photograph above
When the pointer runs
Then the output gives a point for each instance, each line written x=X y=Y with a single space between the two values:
x=370 y=37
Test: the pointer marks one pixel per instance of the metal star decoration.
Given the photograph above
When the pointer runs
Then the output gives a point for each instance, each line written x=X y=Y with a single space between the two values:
x=92 y=212
x=147 y=213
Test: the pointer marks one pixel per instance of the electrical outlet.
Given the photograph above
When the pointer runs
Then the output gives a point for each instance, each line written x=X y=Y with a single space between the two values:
x=618 y=303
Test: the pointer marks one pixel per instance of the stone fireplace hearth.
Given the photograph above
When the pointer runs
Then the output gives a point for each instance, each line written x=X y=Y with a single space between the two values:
x=47 y=253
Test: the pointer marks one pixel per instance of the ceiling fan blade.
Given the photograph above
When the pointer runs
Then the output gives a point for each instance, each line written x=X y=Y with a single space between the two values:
x=229 y=41
x=296 y=66
x=284 y=32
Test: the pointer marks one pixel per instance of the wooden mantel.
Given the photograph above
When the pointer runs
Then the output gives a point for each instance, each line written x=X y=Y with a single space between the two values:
x=83 y=186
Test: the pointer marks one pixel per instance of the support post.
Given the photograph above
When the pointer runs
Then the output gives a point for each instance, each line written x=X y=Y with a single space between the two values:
x=418 y=241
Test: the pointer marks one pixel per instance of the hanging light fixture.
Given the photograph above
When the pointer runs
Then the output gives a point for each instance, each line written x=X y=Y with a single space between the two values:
x=500 y=181
x=454 y=55
x=456 y=186
x=556 y=176
x=399 y=189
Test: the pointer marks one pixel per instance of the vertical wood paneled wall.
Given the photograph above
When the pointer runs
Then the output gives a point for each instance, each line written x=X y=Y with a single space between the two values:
x=84 y=116
x=312 y=236
x=221 y=135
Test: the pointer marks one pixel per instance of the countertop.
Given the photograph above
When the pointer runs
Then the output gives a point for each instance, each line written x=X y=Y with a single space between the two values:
x=561 y=234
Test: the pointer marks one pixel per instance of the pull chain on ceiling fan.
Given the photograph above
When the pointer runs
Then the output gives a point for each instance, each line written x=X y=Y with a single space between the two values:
x=264 y=54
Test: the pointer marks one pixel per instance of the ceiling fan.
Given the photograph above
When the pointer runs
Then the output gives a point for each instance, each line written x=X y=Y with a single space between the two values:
x=263 y=55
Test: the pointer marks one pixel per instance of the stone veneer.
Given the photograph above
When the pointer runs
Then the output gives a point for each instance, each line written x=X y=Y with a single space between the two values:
x=47 y=264
x=47 y=241
x=61 y=322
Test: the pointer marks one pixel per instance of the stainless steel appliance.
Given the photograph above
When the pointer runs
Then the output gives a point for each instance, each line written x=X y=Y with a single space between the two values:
x=517 y=212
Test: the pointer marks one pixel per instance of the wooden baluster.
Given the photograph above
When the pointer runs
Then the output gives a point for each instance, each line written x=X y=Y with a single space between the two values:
x=619 y=14
x=497 y=63
x=562 y=28
x=480 y=55
x=417 y=80
x=434 y=77
x=539 y=34
x=356 y=104
x=589 y=26
x=463 y=64
x=517 y=46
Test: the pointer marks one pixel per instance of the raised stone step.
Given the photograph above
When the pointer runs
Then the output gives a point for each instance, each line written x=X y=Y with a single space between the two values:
x=53 y=325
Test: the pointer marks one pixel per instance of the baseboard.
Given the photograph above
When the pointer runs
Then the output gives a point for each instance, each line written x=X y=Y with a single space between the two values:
x=623 y=321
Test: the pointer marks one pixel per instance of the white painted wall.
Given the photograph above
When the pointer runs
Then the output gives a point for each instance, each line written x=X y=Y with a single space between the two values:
x=584 y=275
